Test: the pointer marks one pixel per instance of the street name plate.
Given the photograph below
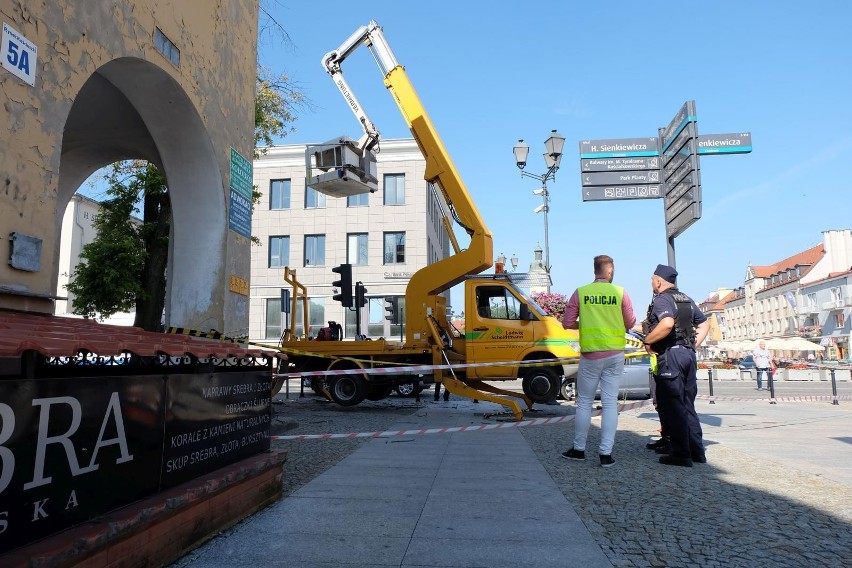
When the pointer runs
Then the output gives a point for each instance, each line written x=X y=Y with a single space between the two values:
x=620 y=178
x=673 y=177
x=687 y=200
x=681 y=145
x=618 y=192
x=619 y=148
x=684 y=116
x=683 y=221
x=677 y=191
x=619 y=164
x=709 y=144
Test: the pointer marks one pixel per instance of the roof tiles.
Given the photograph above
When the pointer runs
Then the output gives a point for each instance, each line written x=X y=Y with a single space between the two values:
x=57 y=336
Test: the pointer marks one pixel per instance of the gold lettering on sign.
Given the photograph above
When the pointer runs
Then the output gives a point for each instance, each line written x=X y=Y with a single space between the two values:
x=239 y=285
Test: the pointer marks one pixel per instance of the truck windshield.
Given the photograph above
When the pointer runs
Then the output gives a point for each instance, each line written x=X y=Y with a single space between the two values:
x=535 y=307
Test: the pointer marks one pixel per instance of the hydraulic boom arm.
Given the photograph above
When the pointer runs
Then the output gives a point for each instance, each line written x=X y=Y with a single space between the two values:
x=423 y=302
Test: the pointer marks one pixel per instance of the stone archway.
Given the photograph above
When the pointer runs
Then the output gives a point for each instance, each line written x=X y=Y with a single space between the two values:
x=128 y=109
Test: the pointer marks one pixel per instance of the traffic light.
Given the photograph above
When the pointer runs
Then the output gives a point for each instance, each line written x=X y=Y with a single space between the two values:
x=285 y=300
x=344 y=284
x=360 y=295
x=390 y=308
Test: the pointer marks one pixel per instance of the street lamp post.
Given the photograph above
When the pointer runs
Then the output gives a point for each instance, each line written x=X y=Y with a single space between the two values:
x=552 y=158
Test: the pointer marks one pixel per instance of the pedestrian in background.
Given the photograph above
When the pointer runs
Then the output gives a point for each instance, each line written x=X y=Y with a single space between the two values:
x=677 y=328
x=763 y=363
x=603 y=313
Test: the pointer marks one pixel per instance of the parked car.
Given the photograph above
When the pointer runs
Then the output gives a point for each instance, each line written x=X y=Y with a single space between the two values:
x=635 y=380
x=746 y=363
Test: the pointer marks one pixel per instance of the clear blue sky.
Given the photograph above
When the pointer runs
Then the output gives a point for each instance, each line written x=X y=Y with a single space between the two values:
x=490 y=73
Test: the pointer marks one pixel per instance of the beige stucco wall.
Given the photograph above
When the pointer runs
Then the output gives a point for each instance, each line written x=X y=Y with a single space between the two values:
x=185 y=118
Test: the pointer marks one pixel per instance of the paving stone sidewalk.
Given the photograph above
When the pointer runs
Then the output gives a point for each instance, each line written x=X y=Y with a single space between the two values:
x=777 y=490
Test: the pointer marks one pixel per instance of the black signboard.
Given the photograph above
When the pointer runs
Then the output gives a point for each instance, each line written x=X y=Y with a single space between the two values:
x=71 y=449
x=214 y=420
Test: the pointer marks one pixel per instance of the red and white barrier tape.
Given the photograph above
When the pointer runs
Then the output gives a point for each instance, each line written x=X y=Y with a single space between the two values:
x=450 y=430
x=422 y=369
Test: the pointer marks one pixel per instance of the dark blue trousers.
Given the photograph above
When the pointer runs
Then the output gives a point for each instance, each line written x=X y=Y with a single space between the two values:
x=677 y=386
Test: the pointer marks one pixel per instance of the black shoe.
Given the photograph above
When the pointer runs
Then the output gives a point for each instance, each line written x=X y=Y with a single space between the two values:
x=675 y=460
x=699 y=458
x=658 y=444
x=607 y=461
x=573 y=454
x=664 y=450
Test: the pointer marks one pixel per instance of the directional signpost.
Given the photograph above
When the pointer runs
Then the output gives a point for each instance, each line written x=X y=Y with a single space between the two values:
x=623 y=168
x=665 y=167
x=681 y=174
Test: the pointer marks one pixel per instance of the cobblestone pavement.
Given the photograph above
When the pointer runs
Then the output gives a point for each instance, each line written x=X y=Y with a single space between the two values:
x=737 y=510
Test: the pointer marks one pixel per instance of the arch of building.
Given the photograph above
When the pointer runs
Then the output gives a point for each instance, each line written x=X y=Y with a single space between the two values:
x=105 y=91
x=132 y=109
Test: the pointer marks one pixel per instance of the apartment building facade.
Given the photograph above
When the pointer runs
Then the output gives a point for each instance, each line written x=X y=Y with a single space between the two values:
x=386 y=236
x=807 y=295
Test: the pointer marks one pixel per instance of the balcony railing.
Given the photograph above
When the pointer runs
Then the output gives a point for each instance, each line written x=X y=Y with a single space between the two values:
x=832 y=304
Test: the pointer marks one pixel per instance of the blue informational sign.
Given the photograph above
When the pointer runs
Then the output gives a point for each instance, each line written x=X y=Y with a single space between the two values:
x=239 y=217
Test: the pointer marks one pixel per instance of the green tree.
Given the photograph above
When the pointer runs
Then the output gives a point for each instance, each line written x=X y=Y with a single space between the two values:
x=123 y=268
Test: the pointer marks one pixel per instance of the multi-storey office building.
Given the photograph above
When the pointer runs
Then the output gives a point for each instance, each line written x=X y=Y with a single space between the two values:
x=386 y=236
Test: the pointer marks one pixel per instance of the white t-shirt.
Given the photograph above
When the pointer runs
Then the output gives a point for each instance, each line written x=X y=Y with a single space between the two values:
x=762 y=358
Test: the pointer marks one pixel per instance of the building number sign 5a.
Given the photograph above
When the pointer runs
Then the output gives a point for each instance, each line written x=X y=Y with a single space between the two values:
x=18 y=54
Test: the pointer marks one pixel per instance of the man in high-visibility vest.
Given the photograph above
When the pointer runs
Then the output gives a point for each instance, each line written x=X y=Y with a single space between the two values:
x=603 y=313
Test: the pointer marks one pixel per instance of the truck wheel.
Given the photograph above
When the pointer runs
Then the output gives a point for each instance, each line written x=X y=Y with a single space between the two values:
x=541 y=384
x=379 y=392
x=407 y=389
x=348 y=390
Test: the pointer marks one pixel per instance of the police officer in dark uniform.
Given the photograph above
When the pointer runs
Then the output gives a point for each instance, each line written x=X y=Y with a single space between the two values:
x=677 y=328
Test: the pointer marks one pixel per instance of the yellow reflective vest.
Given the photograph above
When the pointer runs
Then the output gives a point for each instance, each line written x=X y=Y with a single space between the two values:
x=601 y=321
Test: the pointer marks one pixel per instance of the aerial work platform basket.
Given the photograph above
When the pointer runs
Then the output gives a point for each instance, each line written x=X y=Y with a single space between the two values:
x=339 y=168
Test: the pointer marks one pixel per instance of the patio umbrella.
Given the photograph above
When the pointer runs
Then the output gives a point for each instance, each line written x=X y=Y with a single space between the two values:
x=747 y=345
x=800 y=344
x=778 y=344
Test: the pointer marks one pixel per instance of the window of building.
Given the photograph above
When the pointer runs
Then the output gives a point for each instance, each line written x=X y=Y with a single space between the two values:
x=359 y=200
x=279 y=251
x=314 y=199
x=165 y=46
x=394 y=250
x=273 y=319
x=356 y=248
x=812 y=300
x=394 y=185
x=839 y=320
x=314 y=250
x=836 y=295
x=279 y=194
